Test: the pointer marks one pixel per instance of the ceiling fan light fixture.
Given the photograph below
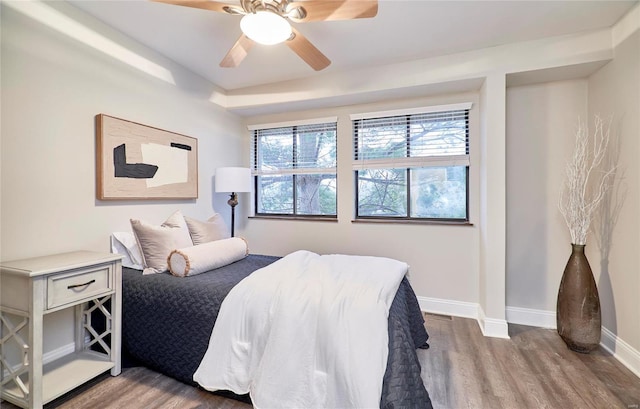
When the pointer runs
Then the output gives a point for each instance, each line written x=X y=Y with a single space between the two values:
x=265 y=27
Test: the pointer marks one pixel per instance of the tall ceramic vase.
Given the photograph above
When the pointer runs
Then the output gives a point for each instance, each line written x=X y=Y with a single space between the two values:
x=578 y=309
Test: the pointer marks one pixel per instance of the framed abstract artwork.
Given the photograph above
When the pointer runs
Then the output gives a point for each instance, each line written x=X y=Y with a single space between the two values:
x=135 y=161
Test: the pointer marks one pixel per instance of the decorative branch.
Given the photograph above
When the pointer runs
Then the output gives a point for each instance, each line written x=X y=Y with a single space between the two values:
x=586 y=183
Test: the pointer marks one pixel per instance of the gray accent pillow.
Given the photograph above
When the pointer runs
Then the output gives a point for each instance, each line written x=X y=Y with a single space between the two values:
x=157 y=242
x=203 y=232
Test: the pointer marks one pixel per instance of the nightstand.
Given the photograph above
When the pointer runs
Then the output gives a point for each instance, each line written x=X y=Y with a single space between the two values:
x=88 y=282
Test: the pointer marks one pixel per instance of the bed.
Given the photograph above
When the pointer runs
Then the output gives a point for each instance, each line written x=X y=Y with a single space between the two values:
x=167 y=323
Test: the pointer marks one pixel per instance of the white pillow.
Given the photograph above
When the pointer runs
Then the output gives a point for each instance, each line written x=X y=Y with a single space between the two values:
x=203 y=232
x=208 y=256
x=156 y=242
x=125 y=244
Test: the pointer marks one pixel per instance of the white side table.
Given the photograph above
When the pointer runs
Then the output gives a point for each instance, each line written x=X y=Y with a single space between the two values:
x=90 y=283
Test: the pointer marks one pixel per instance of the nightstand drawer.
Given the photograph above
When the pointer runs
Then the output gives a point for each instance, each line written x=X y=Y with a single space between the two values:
x=84 y=284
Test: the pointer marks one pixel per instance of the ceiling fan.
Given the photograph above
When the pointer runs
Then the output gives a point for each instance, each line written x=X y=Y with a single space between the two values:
x=268 y=22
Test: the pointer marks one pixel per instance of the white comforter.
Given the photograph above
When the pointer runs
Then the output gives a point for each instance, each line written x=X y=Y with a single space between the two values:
x=307 y=331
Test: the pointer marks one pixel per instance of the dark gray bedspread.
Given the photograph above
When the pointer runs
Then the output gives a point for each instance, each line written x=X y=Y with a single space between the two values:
x=167 y=322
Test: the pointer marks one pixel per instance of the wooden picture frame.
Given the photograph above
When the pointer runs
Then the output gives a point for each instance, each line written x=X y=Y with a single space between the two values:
x=140 y=162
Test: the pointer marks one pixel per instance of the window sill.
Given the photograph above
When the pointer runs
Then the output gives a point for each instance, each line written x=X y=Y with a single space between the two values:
x=297 y=218
x=408 y=221
x=364 y=221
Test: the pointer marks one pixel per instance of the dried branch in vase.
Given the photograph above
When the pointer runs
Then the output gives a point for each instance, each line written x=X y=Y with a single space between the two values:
x=586 y=182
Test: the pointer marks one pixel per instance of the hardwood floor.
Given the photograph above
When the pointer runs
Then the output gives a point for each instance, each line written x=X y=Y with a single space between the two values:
x=462 y=369
x=534 y=369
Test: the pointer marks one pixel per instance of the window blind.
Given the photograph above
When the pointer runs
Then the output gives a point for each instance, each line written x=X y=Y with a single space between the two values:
x=421 y=139
x=298 y=149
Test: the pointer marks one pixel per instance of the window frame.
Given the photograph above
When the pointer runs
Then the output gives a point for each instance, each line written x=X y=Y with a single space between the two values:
x=428 y=161
x=331 y=122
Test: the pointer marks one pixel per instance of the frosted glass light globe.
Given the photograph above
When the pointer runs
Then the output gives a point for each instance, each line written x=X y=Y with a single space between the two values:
x=265 y=27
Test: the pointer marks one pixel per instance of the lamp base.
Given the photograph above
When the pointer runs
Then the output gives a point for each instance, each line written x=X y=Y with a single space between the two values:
x=233 y=202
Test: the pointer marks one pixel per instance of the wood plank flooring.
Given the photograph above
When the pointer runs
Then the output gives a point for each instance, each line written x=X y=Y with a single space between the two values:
x=462 y=369
x=534 y=369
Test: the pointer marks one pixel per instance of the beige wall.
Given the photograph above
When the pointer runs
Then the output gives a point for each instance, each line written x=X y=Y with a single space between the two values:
x=614 y=253
x=541 y=120
x=52 y=87
x=442 y=258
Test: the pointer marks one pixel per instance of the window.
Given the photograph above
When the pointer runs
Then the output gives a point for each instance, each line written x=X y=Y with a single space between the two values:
x=294 y=169
x=413 y=165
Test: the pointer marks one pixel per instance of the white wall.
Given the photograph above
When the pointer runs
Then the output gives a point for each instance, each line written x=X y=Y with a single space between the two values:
x=52 y=88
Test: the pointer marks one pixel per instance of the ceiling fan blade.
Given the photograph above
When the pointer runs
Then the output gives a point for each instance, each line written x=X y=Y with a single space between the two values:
x=237 y=53
x=307 y=51
x=201 y=4
x=319 y=10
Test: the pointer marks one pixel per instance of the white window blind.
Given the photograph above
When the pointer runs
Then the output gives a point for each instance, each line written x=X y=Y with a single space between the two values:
x=422 y=138
x=412 y=164
x=297 y=149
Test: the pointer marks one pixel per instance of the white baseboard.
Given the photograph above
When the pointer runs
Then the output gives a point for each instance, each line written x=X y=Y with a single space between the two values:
x=623 y=352
x=534 y=318
x=50 y=356
x=448 y=307
x=58 y=353
x=490 y=327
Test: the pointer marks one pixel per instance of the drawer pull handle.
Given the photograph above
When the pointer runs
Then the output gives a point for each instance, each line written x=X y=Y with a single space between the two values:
x=80 y=285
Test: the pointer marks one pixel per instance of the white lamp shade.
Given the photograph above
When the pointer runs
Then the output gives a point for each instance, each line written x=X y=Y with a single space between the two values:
x=233 y=179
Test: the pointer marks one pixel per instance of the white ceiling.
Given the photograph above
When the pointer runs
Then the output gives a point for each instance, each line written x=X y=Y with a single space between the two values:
x=403 y=30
